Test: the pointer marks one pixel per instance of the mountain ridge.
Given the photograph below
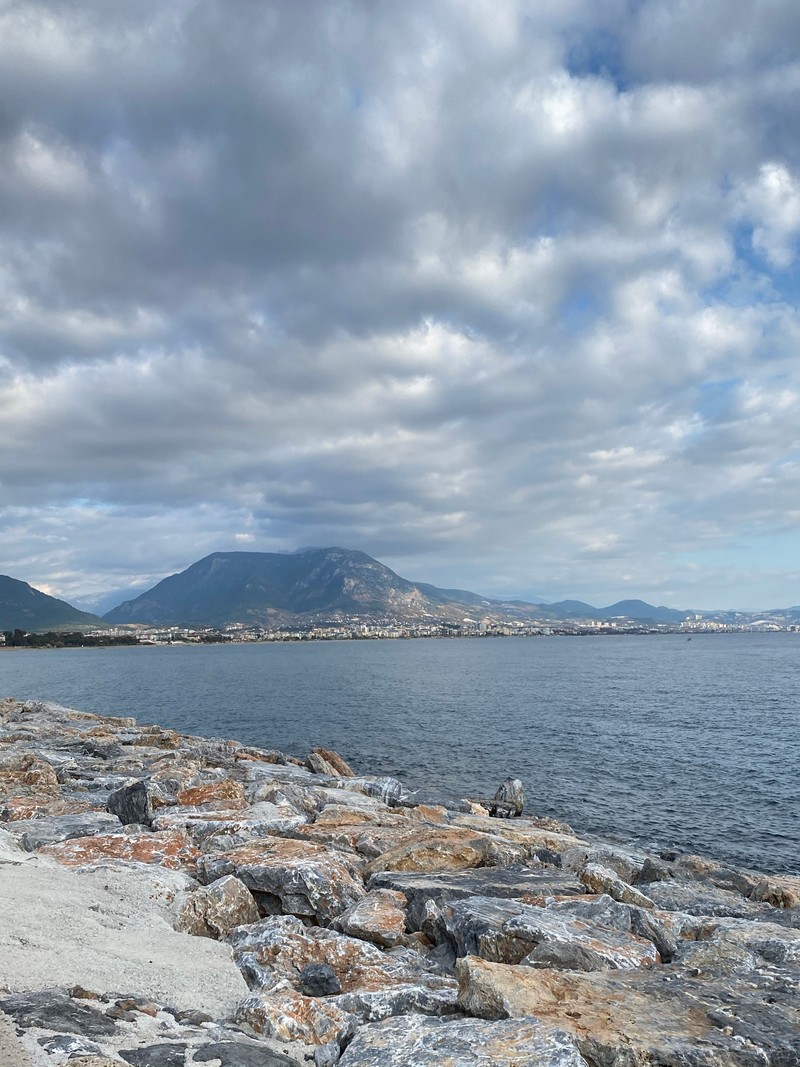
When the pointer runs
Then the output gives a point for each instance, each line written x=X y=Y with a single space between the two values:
x=24 y=608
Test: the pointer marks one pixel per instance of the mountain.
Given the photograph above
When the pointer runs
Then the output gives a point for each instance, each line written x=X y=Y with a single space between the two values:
x=24 y=608
x=277 y=588
x=317 y=584
x=638 y=609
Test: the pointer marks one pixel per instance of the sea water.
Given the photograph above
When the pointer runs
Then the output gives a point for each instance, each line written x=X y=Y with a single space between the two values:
x=656 y=739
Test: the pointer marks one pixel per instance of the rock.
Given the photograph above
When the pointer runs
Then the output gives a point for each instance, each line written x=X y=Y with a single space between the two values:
x=509 y=932
x=217 y=909
x=600 y=879
x=447 y=849
x=782 y=891
x=326 y=761
x=379 y=917
x=136 y=802
x=509 y=795
x=34 y=833
x=225 y=794
x=625 y=864
x=171 y=849
x=529 y=885
x=54 y=1009
x=706 y=900
x=428 y=1042
x=318 y=980
x=277 y=950
x=172 y=1054
x=388 y=790
x=641 y=1017
x=241 y=1054
x=290 y=877
x=289 y=1016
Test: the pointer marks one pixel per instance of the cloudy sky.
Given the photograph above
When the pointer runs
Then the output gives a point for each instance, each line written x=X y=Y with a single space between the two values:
x=503 y=292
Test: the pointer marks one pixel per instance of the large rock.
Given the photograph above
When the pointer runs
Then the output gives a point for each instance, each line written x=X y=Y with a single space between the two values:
x=379 y=917
x=528 y=885
x=644 y=1017
x=509 y=932
x=34 y=833
x=326 y=761
x=417 y=1041
x=137 y=802
x=171 y=849
x=447 y=849
x=599 y=879
x=279 y=950
x=289 y=877
x=217 y=909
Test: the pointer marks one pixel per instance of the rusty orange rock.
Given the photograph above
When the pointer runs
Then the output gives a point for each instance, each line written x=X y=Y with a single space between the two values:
x=225 y=793
x=172 y=849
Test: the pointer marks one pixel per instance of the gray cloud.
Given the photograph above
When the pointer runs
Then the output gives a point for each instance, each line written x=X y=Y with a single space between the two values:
x=502 y=294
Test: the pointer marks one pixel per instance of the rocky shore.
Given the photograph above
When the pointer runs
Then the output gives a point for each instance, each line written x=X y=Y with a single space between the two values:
x=168 y=900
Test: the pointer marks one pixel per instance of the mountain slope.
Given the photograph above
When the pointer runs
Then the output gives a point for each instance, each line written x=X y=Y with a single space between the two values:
x=270 y=587
x=24 y=608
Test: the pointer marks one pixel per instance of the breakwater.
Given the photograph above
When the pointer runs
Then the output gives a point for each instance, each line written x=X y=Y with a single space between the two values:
x=168 y=900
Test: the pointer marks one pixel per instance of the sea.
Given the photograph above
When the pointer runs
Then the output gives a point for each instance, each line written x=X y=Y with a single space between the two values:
x=660 y=740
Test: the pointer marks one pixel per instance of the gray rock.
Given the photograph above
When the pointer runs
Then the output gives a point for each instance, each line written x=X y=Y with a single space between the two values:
x=168 y=1054
x=697 y=899
x=54 y=1009
x=327 y=1055
x=318 y=980
x=423 y=1041
x=34 y=833
x=242 y=1054
x=135 y=802
x=512 y=882
x=509 y=795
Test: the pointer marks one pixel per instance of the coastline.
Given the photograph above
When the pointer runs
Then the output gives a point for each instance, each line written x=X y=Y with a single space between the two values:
x=328 y=917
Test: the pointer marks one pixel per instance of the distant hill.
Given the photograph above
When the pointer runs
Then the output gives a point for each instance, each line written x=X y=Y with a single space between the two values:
x=316 y=584
x=638 y=609
x=276 y=589
x=24 y=608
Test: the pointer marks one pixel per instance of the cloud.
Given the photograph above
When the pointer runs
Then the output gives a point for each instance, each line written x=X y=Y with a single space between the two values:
x=500 y=294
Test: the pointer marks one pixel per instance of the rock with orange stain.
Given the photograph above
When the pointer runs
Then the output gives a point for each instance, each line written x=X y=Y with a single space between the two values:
x=217 y=909
x=326 y=761
x=446 y=849
x=379 y=917
x=287 y=1015
x=291 y=877
x=14 y=808
x=224 y=793
x=367 y=982
x=172 y=849
x=642 y=1017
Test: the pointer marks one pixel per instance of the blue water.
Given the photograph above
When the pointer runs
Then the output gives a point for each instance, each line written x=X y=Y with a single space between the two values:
x=694 y=744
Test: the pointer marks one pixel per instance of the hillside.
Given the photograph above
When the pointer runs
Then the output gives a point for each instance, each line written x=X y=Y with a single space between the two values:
x=24 y=608
x=275 y=588
x=318 y=585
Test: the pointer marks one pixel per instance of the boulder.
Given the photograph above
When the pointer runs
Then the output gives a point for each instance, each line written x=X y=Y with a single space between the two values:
x=599 y=879
x=379 y=917
x=509 y=932
x=171 y=849
x=34 y=833
x=643 y=1017
x=447 y=849
x=222 y=794
x=326 y=761
x=429 y=1042
x=289 y=877
x=509 y=796
x=137 y=802
x=217 y=909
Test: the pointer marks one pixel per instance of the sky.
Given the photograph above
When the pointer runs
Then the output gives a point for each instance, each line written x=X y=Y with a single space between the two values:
x=502 y=292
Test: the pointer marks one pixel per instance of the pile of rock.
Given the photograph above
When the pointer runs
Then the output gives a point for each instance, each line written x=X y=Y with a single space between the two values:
x=339 y=923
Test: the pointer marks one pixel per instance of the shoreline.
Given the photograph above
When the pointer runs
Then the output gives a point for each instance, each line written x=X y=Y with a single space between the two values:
x=327 y=915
